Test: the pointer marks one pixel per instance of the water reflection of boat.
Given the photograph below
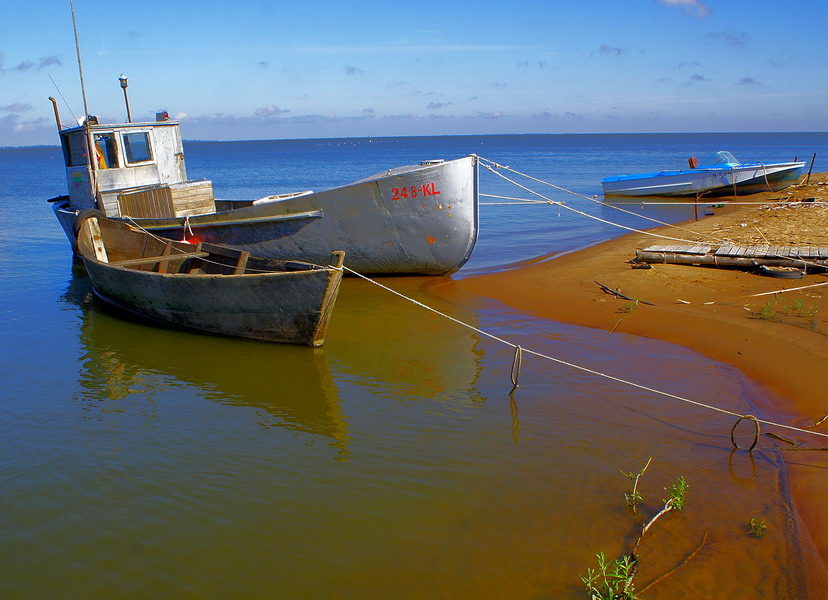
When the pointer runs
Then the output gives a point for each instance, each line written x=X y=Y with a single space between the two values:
x=405 y=351
x=123 y=359
x=379 y=346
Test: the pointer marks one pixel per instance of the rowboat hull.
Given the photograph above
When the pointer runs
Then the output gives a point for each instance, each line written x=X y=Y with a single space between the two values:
x=290 y=306
x=738 y=180
x=420 y=219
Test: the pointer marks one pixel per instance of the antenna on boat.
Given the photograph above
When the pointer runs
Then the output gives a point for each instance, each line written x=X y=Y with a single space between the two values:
x=62 y=97
x=93 y=183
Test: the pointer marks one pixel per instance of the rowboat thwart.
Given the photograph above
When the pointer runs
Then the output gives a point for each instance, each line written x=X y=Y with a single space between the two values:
x=207 y=287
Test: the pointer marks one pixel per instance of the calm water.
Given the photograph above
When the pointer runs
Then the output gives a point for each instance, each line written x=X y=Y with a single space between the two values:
x=143 y=462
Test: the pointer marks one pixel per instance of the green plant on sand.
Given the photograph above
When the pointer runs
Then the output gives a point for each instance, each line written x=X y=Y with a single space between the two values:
x=757 y=528
x=790 y=311
x=630 y=306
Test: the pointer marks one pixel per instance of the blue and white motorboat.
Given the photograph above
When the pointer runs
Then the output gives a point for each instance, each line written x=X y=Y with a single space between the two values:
x=719 y=175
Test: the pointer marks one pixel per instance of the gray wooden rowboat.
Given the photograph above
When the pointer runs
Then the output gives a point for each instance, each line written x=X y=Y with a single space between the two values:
x=207 y=287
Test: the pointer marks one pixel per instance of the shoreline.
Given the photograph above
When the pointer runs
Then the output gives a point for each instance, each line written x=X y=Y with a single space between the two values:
x=777 y=339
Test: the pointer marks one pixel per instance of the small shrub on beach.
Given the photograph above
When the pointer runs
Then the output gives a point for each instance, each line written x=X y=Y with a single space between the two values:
x=630 y=306
x=791 y=311
x=767 y=311
x=757 y=528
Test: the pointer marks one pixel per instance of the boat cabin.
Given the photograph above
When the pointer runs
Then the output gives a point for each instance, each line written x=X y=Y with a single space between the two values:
x=137 y=170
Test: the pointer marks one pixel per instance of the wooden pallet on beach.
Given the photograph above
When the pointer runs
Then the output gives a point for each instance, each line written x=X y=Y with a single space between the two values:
x=735 y=256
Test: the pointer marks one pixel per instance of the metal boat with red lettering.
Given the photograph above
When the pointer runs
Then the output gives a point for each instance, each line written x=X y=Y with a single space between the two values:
x=416 y=219
x=419 y=219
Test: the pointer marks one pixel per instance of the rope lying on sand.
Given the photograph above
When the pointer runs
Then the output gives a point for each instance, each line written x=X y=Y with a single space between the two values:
x=519 y=351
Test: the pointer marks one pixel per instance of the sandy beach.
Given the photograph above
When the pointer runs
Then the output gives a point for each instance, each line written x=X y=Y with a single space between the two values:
x=731 y=316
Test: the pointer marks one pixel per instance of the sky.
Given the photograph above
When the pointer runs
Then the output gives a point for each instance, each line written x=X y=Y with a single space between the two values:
x=324 y=69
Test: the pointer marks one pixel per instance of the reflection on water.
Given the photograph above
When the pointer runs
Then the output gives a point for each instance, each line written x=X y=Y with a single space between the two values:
x=203 y=466
x=127 y=359
x=391 y=345
x=390 y=463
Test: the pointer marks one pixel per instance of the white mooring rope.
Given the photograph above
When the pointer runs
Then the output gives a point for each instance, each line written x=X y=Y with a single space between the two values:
x=494 y=167
x=520 y=350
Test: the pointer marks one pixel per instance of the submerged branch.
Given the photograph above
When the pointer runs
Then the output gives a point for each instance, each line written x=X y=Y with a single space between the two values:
x=687 y=559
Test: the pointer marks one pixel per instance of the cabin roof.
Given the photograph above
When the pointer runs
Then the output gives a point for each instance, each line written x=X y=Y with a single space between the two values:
x=111 y=126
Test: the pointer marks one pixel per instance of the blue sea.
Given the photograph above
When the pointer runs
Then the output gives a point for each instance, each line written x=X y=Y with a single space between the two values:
x=146 y=462
x=509 y=234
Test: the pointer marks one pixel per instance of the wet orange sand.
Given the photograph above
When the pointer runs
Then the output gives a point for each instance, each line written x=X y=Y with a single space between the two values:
x=778 y=340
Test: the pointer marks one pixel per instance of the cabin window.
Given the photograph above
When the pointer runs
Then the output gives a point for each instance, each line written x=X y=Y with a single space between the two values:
x=67 y=150
x=105 y=151
x=137 y=147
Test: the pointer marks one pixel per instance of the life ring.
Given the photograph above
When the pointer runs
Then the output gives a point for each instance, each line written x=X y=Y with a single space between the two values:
x=693 y=162
x=82 y=216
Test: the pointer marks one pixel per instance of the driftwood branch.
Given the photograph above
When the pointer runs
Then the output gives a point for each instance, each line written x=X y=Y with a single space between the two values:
x=687 y=559
x=617 y=294
x=818 y=422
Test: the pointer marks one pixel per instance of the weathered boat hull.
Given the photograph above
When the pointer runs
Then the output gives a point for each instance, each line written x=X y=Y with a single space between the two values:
x=420 y=219
x=280 y=306
x=713 y=182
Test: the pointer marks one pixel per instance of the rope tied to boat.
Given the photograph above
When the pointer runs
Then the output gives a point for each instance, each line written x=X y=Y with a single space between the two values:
x=185 y=227
x=495 y=169
x=519 y=350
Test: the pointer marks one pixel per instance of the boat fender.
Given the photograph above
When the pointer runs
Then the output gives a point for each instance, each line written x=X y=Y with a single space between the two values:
x=693 y=162
x=82 y=216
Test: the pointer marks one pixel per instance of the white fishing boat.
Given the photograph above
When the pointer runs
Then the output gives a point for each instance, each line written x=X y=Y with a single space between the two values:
x=719 y=175
x=415 y=219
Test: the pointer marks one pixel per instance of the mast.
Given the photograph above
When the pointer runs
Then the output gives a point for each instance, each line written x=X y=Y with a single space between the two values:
x=90 y=152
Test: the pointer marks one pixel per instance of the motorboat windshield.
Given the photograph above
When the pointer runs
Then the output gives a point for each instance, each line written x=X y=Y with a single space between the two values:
x=721 y=158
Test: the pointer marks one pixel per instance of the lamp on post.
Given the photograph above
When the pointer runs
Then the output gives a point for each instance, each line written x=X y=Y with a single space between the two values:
x=123 y=80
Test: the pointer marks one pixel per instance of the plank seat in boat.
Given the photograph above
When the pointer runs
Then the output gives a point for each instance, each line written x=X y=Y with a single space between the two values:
x=149 y=260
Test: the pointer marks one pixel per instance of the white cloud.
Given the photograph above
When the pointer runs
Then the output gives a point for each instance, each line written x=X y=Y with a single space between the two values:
x=271 y=110
x=17 y=107
x=693 y=7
